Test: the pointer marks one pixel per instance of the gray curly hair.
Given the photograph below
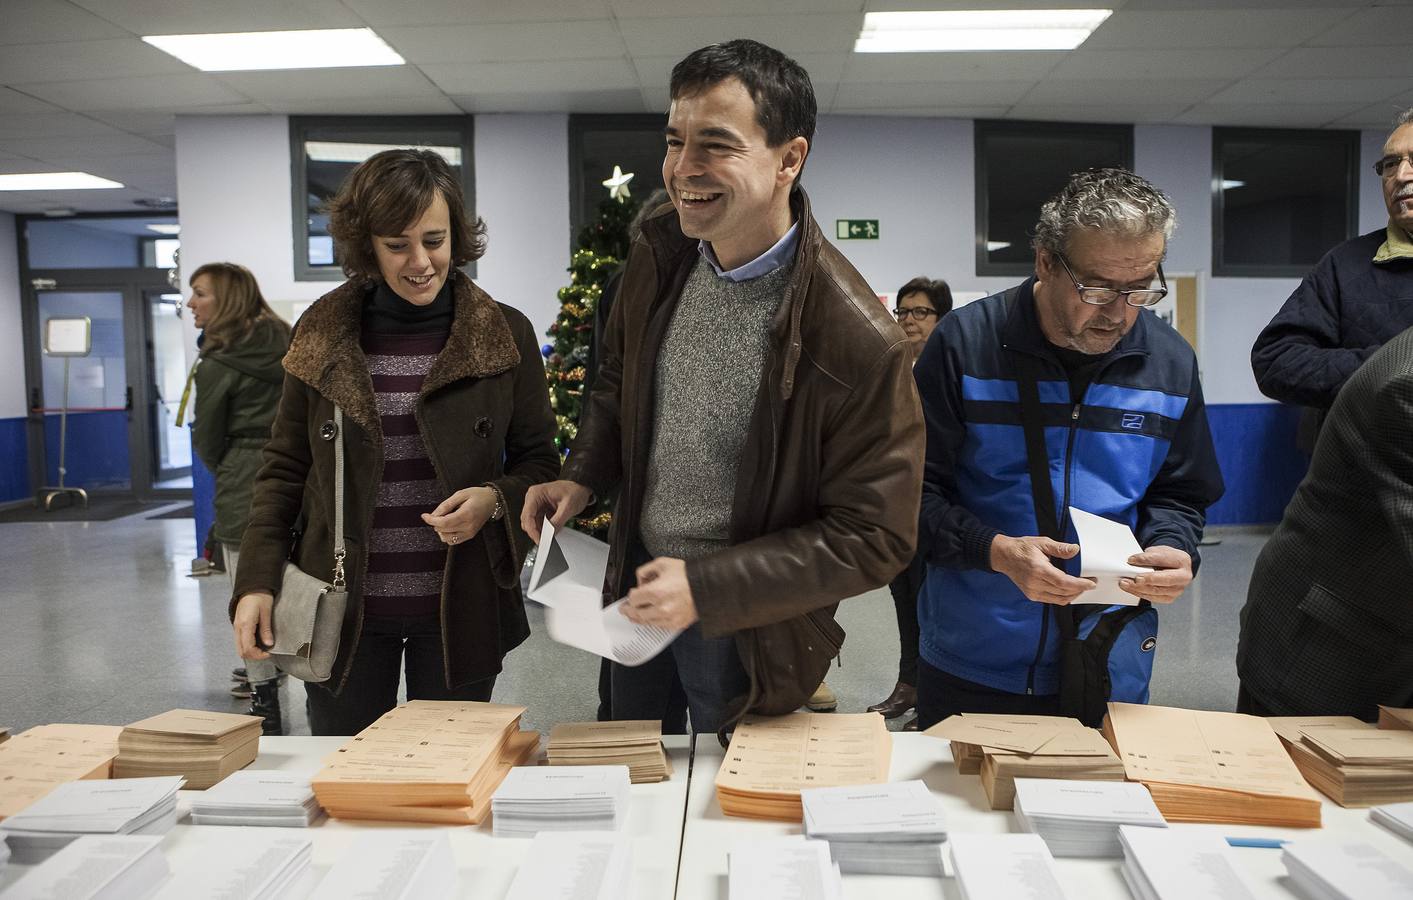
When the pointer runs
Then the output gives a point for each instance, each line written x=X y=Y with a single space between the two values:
x=1112 y=200
x=1403 y=118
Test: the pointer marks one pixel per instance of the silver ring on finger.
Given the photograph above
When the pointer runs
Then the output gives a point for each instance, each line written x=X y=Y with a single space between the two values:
x=453 y=539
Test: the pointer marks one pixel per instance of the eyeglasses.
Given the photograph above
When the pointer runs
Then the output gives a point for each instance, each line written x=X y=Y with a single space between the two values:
x=920 y=313
x=1390 y=165
x=1102 y=296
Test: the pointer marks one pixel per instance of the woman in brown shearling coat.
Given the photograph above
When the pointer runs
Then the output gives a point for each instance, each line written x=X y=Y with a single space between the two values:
x=446 y=423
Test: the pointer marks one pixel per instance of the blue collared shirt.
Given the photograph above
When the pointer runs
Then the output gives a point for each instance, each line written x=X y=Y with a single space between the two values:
x=782 y=254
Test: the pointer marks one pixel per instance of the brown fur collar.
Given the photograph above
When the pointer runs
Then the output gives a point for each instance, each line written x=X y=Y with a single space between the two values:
x=326 y=354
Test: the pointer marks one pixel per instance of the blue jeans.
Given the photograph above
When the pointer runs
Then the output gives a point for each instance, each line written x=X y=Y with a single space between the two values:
x=711 y=674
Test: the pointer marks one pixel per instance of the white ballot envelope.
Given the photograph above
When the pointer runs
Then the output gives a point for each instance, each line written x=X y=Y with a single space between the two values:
x=567 y=579
x=1104 y=549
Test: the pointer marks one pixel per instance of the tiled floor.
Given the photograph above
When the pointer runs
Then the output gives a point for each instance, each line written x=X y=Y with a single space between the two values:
x=100 y=623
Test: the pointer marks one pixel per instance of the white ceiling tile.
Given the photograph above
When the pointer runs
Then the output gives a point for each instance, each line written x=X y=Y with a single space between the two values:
x=822 y=68
x=788 y=34
x=1373 y=27
x=19 y=102
x=1130 y=29
x=133 y=122
x=210 y=16
x=221 y=109
x=657 y=99
x=432 y=105
x=17 y=164
x=532 y=76
x=85 y=60
x=619 y=101
x=1378 y=116
x=1159 y=63
x=493 y=43
x=1113 y=112
x=649 y=9
x=1288 y=115
x=917 y=67
x=36 y=21
x=1133 y=91
x=1357 y=92
x=471 y=12
x=52 y=125
x=1337 y=62
x=1200 y=6
x=902 y=96
x=145 y=92
x=115 y=144
x=330 y=84
x=932 y=112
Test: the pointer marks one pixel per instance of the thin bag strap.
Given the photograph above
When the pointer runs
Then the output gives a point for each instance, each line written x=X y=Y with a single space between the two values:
x=339 y=551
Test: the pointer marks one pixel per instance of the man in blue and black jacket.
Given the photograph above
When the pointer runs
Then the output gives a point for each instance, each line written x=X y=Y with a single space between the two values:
x=1125 y=436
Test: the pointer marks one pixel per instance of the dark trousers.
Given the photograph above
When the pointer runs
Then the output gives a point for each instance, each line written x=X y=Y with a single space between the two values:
x=940 y=695
x=905 y=589
x=710 y=671
x=660 y=672
x=371 y=689
x=1249 y=705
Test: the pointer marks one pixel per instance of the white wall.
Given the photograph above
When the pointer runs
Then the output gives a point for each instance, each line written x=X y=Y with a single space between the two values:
x=12 y=348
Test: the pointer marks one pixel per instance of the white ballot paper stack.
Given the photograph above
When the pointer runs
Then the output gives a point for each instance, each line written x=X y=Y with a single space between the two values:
x=96 y=867
x=1166 y=864
x=1346 y=870
x=574 y=865
x=881 y=829
x=1104 y=549
x=236 y=864
x=258 y=797
x=783 y=868
x=567 y=579
x=76 y=808
x=4 y=852
x=532 y=799
x=1082 y=818
x=1004 y=867
x=1396 y=817
x=393 y=865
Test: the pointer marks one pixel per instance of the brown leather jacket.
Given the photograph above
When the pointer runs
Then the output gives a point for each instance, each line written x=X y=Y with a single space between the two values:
x=827 y=493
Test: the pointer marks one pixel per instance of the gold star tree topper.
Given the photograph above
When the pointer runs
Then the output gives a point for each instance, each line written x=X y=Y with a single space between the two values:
x=618 y=184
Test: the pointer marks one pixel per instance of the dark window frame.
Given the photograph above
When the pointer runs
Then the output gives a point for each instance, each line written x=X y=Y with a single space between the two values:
x=1350 y=140
x=984 y=128
x=299 y=128
x=579 y=123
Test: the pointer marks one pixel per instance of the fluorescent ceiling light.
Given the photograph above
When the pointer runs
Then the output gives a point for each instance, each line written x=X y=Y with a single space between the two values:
x=55 y=181
x=1231 y=185
x=993 y=246
x=161 y=228
x=329 y=48
x=963 y=30
x=341 y=152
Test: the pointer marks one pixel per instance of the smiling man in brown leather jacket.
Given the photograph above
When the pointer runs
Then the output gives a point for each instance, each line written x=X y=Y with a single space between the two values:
x=754 y=413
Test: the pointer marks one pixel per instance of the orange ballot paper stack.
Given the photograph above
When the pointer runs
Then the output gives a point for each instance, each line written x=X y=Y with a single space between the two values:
x=1353 y=762
x=429 y=761
x=771 y=759
x=201 y=746
x=635 y=744
x=1211 y=766
x=36 y=761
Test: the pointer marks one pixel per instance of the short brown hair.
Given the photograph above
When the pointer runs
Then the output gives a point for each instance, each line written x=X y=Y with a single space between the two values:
x=237 y=305
x=385 y=194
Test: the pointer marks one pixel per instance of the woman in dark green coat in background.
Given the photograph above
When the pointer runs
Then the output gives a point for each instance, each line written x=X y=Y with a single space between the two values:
x=238 y=380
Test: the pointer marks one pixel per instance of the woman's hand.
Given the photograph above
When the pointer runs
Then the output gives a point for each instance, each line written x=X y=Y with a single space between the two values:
x=254 y=611
x=461 y=516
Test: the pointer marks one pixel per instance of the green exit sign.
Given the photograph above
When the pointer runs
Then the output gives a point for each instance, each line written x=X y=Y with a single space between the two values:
x=856 y=229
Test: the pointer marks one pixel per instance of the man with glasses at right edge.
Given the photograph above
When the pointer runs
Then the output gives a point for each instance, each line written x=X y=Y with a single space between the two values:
x=1123 y=433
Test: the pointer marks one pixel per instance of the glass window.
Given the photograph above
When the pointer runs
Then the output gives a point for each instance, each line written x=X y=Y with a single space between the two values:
x=597 y=143
x=1020 y=165
x=101 y=242
x=323 y=151
x=1280 y=198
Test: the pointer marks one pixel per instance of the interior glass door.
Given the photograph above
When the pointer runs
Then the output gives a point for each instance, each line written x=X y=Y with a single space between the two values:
x=171 y=444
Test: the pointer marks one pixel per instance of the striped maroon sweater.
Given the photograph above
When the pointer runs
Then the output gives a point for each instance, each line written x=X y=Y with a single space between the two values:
x=406 y=559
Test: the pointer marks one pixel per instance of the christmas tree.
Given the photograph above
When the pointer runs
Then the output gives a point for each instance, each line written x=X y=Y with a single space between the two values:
x=601 y=248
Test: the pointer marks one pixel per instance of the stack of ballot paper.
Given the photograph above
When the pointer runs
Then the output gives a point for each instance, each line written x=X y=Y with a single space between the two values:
x=1082 y=818
x=1211 y=766
x=1395 y=719
x=97 y=867
x=35 y=761
x=574 y=865
x=1346 y=870
x=1168 y=864
x=885 y=829
x=201 y=746
x=393 y=865
x=635 y=744
x=542 y=798
x=780 y=867
x=258 y=797
x=1353 y=762
x=1396 y=817
x=772 y=759
x=76 y=808
x=1002 y=748
x=1004 y=867
x=249 y=863
x=434 y=761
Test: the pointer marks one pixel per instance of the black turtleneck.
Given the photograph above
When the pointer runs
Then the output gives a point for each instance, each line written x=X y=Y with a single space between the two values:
x=384 y=312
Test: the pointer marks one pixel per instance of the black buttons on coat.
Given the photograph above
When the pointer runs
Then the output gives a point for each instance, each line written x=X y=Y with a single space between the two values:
x=483 y=426
x=328 y=431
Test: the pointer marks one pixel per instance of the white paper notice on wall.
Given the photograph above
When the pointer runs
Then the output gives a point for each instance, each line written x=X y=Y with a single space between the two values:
x=68 y=337
x=1104 y=549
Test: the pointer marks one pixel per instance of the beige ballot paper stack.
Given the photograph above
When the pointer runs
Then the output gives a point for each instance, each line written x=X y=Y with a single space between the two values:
x=1395 y=719
x=201 y=746
x=34 y=762
x=434 y=761
x=1353 y=762
x=771 y=759
x=635 y=744
x=1211 y=766
x=1001 y=748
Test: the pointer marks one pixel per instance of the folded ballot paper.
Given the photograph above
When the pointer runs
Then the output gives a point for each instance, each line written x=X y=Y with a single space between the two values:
x=1082 y=818
x=33 y=762
x=636 y=744
x=76 y=808
x=1104 y=549
x=96 y=867
x=392 y=865
x=1395 y=719
x=261 y=797
x=201 y=746
x=783 y=868
x=575 y=865
x=882 y=829
x=1169 y=864
x=567 y=579
x=1353 y=762
x=1004 y=867
x=1345 y=870
x=532 y=799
